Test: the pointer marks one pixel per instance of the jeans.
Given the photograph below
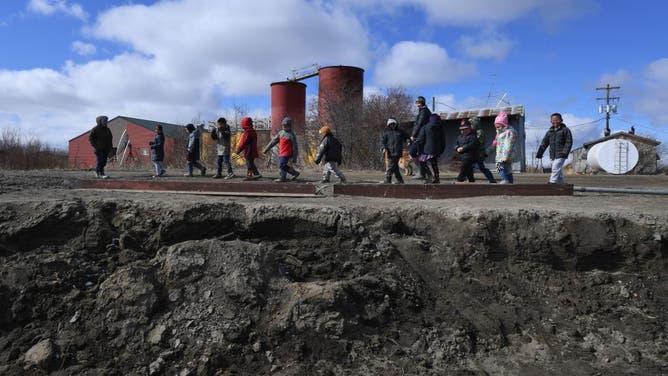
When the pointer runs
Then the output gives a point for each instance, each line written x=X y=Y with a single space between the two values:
x=226 y=160
x=505 y=170
x=557 y=176
x=252 y=169
x=101 y=157
x=285 y=167
x=485 y=171
x=158 y=167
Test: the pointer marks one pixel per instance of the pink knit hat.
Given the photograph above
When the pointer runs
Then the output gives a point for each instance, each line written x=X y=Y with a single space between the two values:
x=502 y=118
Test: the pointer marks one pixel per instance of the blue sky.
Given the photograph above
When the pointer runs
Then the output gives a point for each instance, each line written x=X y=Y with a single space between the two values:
x=65 y=62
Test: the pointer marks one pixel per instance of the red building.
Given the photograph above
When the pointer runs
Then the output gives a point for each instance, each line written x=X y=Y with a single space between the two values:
x=130 y=139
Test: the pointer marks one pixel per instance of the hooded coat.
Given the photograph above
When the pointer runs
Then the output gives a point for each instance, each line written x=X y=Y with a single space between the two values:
x=248 y=141
x=393 y=140
x=434 y=137
x=100 y=136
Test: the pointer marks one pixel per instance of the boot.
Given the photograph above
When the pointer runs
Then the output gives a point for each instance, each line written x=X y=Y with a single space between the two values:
x=388 y=180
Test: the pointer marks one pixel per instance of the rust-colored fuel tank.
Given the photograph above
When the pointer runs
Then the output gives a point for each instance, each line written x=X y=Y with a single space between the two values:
x=288 y=98
x=340 y=95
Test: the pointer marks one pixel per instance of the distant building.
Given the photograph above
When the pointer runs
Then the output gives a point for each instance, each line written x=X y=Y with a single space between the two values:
x=130 y=142
x=516 y=118
x=647 y=153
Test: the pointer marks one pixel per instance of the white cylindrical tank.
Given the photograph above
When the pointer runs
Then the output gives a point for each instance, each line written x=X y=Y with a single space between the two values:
x=613 y=156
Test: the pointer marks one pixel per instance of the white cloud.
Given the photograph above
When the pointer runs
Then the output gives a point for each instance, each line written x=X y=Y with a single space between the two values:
x=617 y=78
x=653 y=97
x=83 y=49
x=480 y=12
x=489 y=44
x=411 y=64
x=49 y=7
x=194 y=57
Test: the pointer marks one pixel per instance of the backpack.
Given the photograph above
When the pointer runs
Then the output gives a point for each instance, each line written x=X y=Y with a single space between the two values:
x=335 y=150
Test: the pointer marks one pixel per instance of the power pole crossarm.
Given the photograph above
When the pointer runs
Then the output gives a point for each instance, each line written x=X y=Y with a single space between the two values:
x=607 y=99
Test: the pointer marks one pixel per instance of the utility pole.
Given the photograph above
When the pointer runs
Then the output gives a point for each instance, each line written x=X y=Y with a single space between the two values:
x=608 y=108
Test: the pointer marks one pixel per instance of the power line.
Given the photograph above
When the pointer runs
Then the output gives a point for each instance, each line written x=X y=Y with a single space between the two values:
x=570 y=126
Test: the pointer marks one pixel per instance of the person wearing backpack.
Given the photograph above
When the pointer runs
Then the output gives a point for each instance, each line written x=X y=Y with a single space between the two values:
x=330 y=151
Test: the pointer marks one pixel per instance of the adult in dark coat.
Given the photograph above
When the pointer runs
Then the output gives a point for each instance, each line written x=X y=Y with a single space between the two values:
x=421 y=119
x=560 y=141
x=158 y=151
x=467 y=147
x=432 y=148
x=101 y=140
x=482 y=151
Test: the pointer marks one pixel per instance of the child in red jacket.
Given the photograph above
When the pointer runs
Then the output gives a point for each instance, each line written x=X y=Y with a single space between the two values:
x=248 y=146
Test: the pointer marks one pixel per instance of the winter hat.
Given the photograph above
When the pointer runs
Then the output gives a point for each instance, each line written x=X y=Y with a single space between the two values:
x=287 y=122
x=190 y=127
x=502 y=118
x=465 y=124
x=222 y=120
x=101 y=119
x=246 y=123
x=392 y=121
x=420 y=99
x=325 y=131
x=475 y=122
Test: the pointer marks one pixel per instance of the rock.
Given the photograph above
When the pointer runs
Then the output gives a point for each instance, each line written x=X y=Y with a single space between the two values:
x=156 y=366
x=156 y=335
x=45 y=355
x=131 y=290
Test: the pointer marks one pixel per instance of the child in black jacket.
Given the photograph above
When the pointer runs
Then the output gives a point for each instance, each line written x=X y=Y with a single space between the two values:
x=467 y=147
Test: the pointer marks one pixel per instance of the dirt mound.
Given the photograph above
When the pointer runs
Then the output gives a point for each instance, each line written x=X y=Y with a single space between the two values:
x=141 y=287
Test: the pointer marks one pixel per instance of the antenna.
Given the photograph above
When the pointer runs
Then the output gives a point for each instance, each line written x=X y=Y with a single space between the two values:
x=491 y=87
x=502 y=100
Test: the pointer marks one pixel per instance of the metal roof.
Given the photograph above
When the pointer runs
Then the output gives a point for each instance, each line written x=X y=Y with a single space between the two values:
x=621 y=134
x=482 y=112
x=169 y=130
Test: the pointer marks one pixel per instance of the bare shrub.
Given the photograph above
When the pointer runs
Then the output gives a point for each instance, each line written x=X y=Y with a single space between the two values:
x=359 y=125
x=28 y=154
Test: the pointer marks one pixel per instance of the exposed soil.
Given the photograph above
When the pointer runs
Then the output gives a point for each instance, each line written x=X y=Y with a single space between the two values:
x=118 y=283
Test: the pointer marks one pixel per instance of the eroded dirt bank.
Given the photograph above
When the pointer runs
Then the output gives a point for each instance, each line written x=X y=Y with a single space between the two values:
x=125 y=286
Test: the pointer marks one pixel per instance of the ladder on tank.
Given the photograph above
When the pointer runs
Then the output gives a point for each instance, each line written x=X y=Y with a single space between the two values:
x=621 y=162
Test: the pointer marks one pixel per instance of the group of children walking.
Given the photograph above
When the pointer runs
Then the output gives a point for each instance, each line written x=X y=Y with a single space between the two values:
x=427 y=144
x=329 y=151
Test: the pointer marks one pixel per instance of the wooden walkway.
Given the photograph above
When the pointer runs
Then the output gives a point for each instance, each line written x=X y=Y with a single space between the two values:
x=300 y=189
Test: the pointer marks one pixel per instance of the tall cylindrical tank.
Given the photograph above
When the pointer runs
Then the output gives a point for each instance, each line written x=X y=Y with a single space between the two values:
x=288 y=98
x=613 y=156
x=340 y=95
